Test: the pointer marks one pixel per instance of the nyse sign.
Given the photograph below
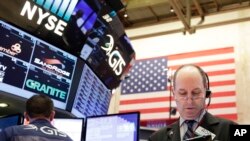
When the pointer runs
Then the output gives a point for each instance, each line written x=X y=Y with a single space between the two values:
x=116 y=62
x=51 y=20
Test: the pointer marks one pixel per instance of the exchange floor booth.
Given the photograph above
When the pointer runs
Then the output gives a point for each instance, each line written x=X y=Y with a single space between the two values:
x=74 y=51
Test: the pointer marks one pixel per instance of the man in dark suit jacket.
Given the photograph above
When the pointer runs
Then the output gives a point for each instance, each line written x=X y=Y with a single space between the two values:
x=191 y=88
x=39 y=113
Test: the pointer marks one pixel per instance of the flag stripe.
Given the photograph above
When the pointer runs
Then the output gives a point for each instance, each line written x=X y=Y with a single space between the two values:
x=222 y=77
x=223 y=94
x=201 y=53
x=220 y=67
x=222 y=105
x=143 y=100
x=200 y=59
x=144 y=95
x=221 y=83
x=207 y=63
x=221 y=72
x=222 y=88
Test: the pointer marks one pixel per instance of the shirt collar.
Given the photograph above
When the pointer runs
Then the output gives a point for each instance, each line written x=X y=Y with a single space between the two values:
x=198 y=119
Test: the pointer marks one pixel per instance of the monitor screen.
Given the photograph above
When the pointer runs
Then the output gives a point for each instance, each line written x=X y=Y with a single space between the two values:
x=80 y=27
x=71 y=126
x=29 y=65
x=107 y=49
x=10 y=120
x=54 y=21
x=117 y=127
x=92 y=96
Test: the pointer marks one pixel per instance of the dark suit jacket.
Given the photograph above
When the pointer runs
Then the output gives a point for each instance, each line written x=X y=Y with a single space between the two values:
x=218 y=126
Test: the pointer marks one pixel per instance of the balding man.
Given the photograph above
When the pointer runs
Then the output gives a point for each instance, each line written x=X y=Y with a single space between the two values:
x=190 y=89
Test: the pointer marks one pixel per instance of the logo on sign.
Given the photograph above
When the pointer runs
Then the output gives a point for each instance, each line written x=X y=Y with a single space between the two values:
x=61 y=8
x=115 y=59
x=46 y=89
x=14 y=50
x=49 y=64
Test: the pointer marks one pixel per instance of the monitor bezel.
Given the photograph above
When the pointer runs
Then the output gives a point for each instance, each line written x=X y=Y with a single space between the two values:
x=116 y=114
x=73 y=118
x=18 y=115
x=57 y=104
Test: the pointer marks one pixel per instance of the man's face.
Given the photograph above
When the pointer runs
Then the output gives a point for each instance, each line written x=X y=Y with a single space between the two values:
x=189 y=93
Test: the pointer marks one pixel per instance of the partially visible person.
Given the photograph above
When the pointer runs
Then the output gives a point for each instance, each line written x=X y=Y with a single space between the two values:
x=190 y=89
x=39 y=113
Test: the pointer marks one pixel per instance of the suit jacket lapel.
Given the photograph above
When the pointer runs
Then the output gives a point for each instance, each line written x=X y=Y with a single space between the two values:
x=175 y=129
x=208 y=122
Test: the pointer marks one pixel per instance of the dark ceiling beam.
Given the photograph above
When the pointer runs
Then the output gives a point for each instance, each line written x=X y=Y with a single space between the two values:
x=153 y=12
x=216 y=5
x=185 y=16
x=188 y=11
x=181 y=16
x=180 y=5
x=200 y=11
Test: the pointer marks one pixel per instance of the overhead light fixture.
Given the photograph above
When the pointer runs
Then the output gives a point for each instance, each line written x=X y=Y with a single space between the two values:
x=3 y=105
x=125 y=15
x=171 y=9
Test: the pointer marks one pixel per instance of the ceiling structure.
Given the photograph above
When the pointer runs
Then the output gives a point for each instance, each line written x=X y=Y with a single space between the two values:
x=139 y=13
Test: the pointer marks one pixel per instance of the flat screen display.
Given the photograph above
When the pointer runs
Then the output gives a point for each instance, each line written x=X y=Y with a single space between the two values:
x=117 y=127
x=10 y=120
x=80 y=27
x=107 y=49
x=92 y=96
x=29 y=65
x=54 y=21
x=71 y=126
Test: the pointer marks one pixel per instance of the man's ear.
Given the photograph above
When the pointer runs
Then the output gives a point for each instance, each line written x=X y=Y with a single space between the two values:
x=26 y=116
x=52 y=115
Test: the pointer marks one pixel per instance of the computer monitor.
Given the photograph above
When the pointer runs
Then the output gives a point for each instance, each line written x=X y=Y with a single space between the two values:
x=10 y=120
x=29 y=65
x=89 y=29
x=115 y=127
x=71 y=126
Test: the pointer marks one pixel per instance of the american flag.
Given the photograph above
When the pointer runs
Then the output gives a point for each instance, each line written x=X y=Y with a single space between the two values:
x=146 y=90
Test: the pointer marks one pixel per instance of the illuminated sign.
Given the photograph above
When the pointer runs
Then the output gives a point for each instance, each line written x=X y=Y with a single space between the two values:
x=2 y=72
x=54 y=92
x=29 y=65
x=14 y=50
x=2 y=67
x=48 y=65
x=62 y=8
x=116 y=62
